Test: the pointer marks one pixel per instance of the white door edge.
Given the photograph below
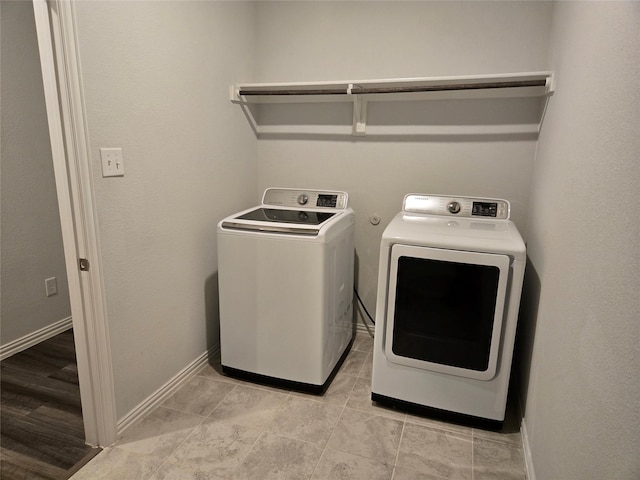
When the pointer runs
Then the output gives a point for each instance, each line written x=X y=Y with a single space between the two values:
x=56 y=31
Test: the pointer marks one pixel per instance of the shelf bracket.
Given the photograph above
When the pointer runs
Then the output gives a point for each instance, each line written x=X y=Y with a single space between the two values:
x=359 y=113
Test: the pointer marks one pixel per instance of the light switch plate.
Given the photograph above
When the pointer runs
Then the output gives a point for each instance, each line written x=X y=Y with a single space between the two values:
x=112 y=162
x=51 y=286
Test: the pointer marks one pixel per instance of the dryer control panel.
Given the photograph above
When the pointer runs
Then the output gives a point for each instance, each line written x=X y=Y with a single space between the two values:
x=295 y=198
x=446 y=205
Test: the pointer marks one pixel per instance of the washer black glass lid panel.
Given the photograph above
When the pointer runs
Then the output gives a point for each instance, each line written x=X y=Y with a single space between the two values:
x=304 y=217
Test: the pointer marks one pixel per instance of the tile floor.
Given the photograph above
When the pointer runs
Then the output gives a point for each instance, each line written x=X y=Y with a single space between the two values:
x=219 y=428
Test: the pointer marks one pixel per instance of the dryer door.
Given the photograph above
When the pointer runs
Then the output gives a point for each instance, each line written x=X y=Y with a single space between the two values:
x=445 y=310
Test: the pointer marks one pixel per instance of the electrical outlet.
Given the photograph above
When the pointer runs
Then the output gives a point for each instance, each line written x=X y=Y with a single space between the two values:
x=112 y=162
x=51 y=286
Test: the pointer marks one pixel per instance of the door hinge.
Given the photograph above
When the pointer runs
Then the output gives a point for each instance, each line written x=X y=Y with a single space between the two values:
x=83 y=263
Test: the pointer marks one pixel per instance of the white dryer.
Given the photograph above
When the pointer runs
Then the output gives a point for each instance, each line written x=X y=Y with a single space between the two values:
x=286 y=270
x=450 y=277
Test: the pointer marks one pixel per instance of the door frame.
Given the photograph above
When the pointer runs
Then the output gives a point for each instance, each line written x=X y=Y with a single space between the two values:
x=59 y=59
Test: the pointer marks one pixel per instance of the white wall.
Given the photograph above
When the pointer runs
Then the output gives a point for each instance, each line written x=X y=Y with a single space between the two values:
x=582 y=410
x=31 y=240
x=156 y=78
x=314 y=41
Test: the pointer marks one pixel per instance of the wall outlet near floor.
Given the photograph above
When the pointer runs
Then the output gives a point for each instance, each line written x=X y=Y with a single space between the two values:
x=112 y=162
x=51 y=286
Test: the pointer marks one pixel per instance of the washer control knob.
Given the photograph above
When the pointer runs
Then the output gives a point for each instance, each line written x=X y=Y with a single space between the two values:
x=303 y=198
x=453 y=207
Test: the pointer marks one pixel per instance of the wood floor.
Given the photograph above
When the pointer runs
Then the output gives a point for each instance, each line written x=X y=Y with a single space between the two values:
x=42 y=434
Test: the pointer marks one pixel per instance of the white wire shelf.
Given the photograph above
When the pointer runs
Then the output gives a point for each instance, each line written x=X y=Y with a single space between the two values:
x=362 y=92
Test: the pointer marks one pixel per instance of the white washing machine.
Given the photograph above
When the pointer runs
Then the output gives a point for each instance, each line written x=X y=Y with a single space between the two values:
x=286 y=271
x=450 y=277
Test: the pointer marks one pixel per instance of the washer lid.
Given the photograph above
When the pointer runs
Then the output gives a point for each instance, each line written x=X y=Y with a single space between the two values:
x=280 y=220
x=293 y=211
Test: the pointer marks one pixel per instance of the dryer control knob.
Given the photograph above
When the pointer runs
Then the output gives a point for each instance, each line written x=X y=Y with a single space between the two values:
x=303 y=198
x=453 y=207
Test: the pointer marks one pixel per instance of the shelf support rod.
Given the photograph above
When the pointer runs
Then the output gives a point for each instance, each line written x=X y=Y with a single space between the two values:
x=354 y=89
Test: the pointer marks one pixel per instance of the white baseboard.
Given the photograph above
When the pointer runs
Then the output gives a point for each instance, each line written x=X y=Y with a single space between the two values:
x=164 y=392
x=369 y=329
x=526 y=450
x=35 y=338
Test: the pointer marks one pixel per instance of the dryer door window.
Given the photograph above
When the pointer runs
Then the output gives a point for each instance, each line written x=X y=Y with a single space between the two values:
x=445 y=310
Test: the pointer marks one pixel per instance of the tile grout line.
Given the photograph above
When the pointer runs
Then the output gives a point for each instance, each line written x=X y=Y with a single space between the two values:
x=204 y=419
x=264 y=429
x=326 y=446
x=290 y=395
x=395 y=462
x=473 y=441
x=333 y=430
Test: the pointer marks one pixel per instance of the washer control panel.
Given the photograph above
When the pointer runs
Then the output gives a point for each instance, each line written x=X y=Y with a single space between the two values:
x=469 y=207
x=290 y=197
